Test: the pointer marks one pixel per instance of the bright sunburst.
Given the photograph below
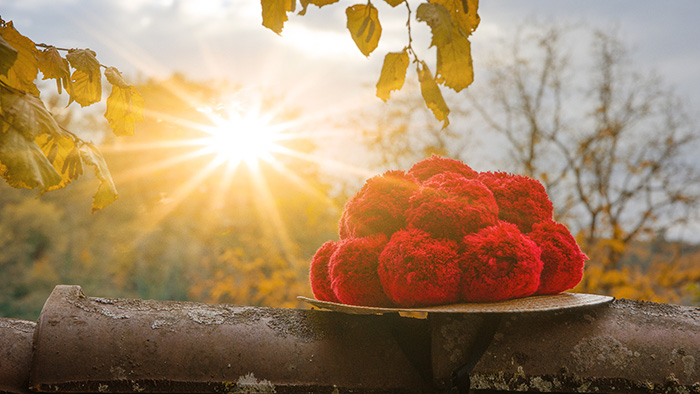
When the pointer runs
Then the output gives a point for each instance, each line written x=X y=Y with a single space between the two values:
x=241 y=136
x=244 y=142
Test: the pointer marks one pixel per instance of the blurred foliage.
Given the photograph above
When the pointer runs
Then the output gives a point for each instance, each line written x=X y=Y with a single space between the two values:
x=234 y=277
x=404 y=131
x=658 y=271
x=178 y=233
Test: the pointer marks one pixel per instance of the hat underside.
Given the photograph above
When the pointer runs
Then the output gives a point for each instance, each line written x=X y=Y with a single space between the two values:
x=540 y=303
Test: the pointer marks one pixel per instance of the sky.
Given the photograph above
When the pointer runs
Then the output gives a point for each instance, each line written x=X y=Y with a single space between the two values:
x=314 y=61
x=314 y=65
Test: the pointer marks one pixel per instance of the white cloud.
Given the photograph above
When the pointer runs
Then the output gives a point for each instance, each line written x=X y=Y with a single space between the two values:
x=315 y=44
x=139 y=5
x=197 y=9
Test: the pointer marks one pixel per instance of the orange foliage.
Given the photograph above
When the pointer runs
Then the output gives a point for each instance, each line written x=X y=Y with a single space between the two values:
x=236 y=278
x=662 y=278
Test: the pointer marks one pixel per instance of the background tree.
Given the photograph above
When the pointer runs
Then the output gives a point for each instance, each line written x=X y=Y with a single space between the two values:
x=614 y=147
x=403 y=132
x=617 y=149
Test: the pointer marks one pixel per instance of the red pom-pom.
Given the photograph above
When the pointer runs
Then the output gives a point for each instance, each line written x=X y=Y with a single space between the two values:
x=416 y=269
x=521 y=200
x=318 y=273
x=425 y=169
x=473 y=191
x=499 y=263
x=561 y=255
x=353 y=271
x=379 y=207
x=452 y=206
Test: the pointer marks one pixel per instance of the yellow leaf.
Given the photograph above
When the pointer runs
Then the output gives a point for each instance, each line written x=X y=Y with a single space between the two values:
x=23 y=71
x=8 y=56
x=318 y=3
x=62 y=152
x=24 y=120
x=25 y=113
x=86 y=81
x=394 y=3
x=115 y=77
x=106 y=191
x=393 y=74
x=23 y=164
x=84 y=60
x=124 y=104
x=467 y=20
x=454 y=63
x=432 y=95
x=274 y=13
x=439 y=20
x=85 y=89
x=454 y=60
x=364 y=27
x=52 y=65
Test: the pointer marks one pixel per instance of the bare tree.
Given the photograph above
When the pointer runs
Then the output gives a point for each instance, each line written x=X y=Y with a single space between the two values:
x=613 y=147
x=404 y=131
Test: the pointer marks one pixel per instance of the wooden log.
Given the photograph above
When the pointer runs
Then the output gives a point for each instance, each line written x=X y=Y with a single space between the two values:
x=100 y=345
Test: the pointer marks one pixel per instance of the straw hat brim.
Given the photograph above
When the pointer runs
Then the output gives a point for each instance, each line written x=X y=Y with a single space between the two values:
x=518 y=305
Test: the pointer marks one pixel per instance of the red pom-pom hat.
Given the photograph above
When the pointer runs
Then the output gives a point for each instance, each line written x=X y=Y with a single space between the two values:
x=353 y=271
x=380 y=206
x=425 y=169
x=318 y=273
x=521 y=200
x=499 y=263
x=416 y=269
x=561 y=255
x=448 y=205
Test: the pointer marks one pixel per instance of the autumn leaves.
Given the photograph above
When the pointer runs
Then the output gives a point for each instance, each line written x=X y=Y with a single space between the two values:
x=35 y=152
x=363 y=24
x=451 y=23
x=124 y=104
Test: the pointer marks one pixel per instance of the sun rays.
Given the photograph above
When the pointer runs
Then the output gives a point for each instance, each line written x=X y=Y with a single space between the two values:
x=245 y=135
x=223 y=147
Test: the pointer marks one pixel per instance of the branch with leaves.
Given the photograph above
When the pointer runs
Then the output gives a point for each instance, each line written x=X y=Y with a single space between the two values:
x=451 y=23
x=35 y=151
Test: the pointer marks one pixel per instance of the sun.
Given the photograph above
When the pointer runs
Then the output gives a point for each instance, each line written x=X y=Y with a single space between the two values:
x=241 y=137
